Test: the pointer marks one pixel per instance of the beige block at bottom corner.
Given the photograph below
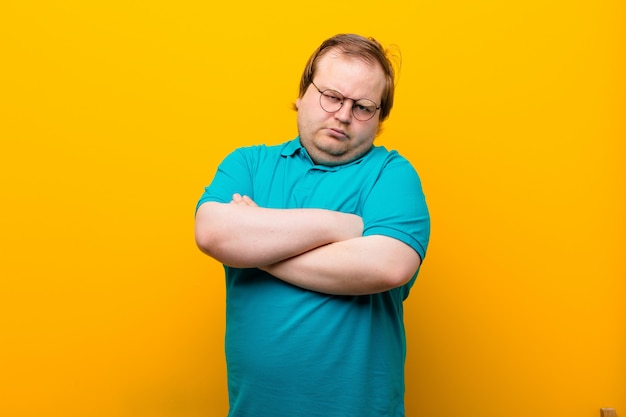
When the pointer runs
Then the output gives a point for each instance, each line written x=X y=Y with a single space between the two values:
x=607 y=412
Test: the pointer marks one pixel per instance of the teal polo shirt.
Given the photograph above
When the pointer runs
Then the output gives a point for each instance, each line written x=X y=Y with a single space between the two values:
x=293 y=352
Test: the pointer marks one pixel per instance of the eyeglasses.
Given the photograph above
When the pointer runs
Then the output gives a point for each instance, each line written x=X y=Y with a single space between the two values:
x=331 y=101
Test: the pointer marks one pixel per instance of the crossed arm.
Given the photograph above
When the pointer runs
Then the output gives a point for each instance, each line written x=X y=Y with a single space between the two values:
x=320 y=250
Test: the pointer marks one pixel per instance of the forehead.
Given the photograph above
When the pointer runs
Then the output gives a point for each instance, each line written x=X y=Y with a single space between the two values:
x=352 y=76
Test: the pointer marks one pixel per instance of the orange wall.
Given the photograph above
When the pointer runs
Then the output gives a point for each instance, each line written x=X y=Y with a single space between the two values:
x=114 y=115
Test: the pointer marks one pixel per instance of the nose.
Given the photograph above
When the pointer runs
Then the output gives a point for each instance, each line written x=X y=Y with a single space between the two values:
x=344 y=114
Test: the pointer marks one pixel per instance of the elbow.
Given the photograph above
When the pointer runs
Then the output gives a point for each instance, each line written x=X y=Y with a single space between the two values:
x=206 y=231
x=203 y=243
x=397 y=279
x=211 y=242
x=206 y=242
x=400 y=273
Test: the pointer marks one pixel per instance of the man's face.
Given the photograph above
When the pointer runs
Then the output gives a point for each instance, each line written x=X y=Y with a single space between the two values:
x=337 y=138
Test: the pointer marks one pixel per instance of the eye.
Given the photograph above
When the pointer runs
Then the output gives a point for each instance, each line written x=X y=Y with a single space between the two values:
x=365 y=109
x=333 y=96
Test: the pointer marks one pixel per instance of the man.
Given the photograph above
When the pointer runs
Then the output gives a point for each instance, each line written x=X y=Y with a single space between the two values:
x=321 y=238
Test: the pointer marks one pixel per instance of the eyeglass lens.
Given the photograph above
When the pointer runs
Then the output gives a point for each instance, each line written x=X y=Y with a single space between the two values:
x=331 y=101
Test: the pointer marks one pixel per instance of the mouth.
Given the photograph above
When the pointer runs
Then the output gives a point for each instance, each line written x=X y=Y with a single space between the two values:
x=336 y=133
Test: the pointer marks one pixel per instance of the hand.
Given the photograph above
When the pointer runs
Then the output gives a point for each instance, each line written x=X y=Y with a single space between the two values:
x=352 y=223
x=243 y=200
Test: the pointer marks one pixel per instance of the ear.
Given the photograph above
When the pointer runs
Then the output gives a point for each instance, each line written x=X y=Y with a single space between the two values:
x=298 y=104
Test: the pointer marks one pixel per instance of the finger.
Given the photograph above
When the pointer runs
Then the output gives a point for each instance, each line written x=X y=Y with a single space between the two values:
x=249 y=201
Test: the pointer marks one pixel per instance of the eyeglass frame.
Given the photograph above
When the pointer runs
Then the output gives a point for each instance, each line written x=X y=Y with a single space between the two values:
x=343 y=99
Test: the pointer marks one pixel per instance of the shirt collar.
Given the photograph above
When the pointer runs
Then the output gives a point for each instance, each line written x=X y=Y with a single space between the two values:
x=294 y=147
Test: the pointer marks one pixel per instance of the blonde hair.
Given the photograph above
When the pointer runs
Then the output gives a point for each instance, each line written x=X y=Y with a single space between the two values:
x=360 y=47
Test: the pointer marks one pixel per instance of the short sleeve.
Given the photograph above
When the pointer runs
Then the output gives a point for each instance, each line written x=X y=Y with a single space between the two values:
x=396 y=206
x=233 y=176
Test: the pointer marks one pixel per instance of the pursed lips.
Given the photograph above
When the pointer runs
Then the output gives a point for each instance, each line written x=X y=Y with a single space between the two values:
x=337 y=133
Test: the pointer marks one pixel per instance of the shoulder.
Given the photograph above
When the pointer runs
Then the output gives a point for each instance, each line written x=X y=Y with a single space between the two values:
x=264 y=150
x=253 y=154
x=380 y=154
x=391 y=162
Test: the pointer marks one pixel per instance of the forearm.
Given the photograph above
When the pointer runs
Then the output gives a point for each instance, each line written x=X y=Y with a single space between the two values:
x=363 y=265
x=246 y=236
